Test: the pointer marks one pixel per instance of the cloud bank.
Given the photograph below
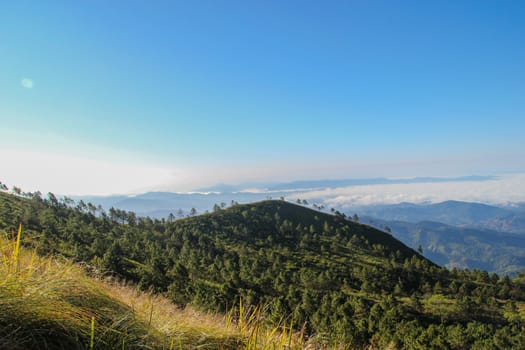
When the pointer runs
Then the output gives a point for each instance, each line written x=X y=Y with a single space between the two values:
x=503 y=189
x=117 y=174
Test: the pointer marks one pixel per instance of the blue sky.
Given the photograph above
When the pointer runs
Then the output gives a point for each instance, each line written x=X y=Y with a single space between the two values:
x=231 y=91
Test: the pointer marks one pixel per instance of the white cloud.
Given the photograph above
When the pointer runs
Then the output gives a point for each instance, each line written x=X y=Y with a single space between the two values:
x=503 y=189
x=74 y=175
x=27 y=83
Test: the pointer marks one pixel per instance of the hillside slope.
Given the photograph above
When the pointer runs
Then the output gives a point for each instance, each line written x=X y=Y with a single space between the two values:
x=509 y=219
x=50 y=303
x=453 y=213
x=352 y=283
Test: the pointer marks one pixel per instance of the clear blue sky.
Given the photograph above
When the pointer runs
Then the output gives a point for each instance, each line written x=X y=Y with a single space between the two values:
x=313 y=84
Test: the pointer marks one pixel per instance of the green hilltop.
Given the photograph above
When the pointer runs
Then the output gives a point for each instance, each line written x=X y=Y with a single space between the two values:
x=336 y=280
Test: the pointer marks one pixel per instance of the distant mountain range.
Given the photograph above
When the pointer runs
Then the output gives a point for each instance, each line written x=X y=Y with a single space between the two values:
x=455 y=213
x=457 y=234
x=302 y=185
x=460 y=247
x=162 y=204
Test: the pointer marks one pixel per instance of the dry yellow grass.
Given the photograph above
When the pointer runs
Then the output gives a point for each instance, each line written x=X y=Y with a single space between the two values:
x=49 y=303
x=52 y=303
x=183 y=327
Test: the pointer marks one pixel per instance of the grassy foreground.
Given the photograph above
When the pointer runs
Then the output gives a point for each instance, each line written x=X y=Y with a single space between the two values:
x=51 y=303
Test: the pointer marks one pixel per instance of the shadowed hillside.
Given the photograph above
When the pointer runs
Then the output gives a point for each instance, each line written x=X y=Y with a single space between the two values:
x=462 y=247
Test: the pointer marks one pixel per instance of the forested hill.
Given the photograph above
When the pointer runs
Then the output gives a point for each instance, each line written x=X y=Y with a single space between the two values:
x=356 y=284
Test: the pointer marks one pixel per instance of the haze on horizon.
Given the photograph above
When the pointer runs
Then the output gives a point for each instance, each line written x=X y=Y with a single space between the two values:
x=127 y=97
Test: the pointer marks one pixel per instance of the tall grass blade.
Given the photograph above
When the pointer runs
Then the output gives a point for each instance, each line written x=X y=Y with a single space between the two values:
x=92 y=339
x=290 y=335
x=31 y=262
x=17 y=248
x=241 y=315
x=150 y=315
